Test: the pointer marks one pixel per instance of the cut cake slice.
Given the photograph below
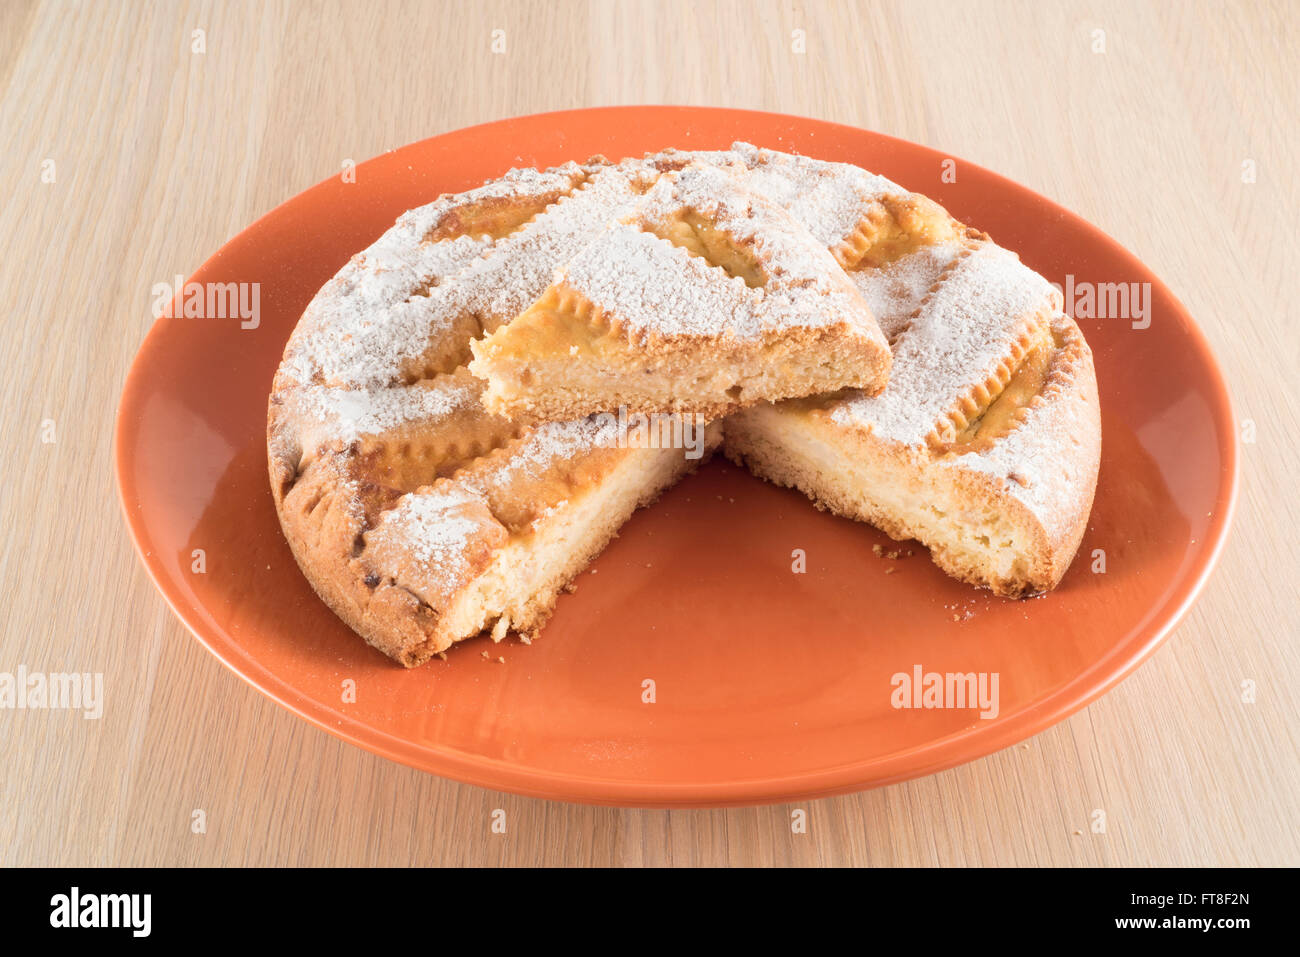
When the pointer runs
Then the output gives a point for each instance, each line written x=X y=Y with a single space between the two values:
x=706 y=299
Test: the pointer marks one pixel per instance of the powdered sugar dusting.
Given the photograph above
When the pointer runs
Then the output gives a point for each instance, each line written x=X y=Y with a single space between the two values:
x=541 y=449
x=829 y=199
x=435 y=526
x=505 y=283
x=345 y=415
x=894 y=291
x=497 y=283
x=964 y=331
x=364 y=311
x=541 y=454
x=382 y=310
x=657 y=288
x=652 y=285
x=372 y=315
x=554 y=442
x=673 y=158
x=1037 y=463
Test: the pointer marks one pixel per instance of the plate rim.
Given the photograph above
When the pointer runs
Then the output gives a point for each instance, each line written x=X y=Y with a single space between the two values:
x=935 y=755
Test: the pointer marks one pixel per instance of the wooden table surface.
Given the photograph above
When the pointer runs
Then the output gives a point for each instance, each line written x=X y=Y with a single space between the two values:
x=1148 y=128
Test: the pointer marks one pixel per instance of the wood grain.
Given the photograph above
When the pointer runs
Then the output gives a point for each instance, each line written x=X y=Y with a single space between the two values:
x=161 y=154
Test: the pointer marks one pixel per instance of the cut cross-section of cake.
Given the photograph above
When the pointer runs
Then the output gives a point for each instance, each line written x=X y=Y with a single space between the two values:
x=418 y=516
x=421 y=519
x=986 y=442
x=984 y=446
x=705 y=299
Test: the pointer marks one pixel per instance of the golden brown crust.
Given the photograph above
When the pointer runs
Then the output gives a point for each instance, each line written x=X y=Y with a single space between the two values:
x=977 y=399
x=893 y=226
x=705 y=299
x=809 y=448
x=422 y=517
x=322 y=525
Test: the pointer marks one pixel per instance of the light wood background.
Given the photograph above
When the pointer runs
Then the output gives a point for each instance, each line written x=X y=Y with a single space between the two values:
x=162 y=154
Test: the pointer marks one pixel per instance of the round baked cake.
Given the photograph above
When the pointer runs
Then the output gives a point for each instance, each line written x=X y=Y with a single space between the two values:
x=422 y=518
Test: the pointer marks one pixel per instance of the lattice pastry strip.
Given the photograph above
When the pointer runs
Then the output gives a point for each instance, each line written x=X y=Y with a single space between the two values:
x=356 y=331
x=986 y=442
x=959 y=350
x=864 y=219
x=501 y=283
x=704 y=299
x=490 y=546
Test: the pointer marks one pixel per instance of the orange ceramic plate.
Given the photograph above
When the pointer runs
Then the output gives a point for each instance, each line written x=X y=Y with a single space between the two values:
x=768 y=685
